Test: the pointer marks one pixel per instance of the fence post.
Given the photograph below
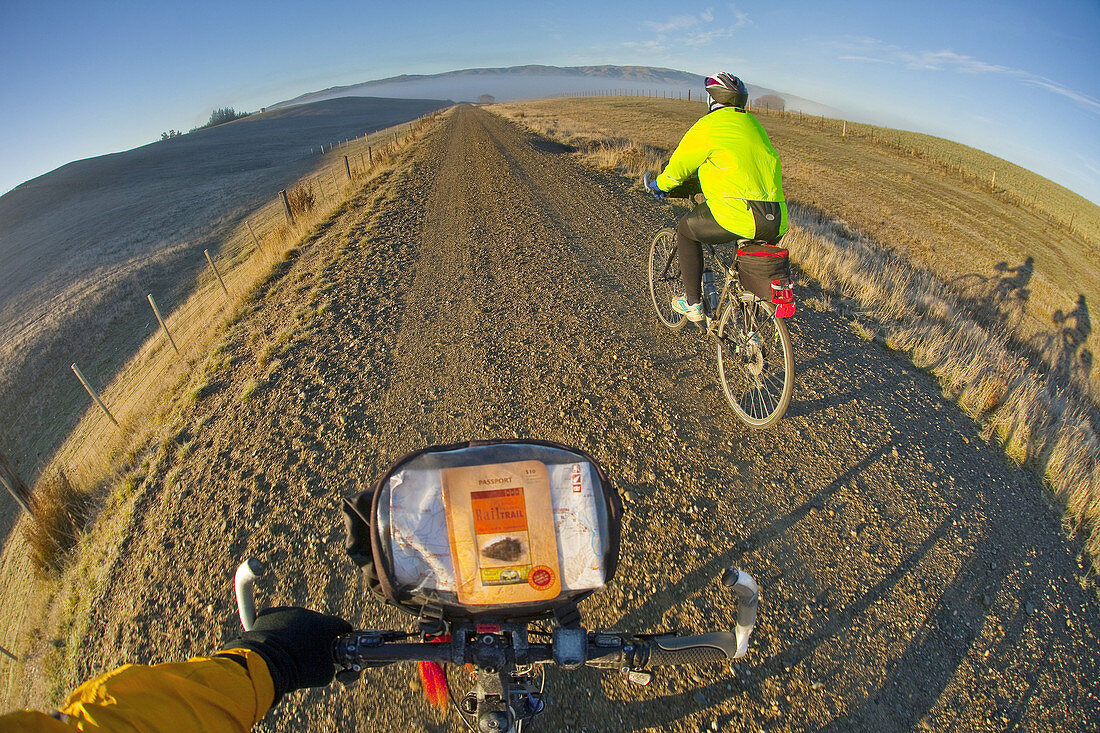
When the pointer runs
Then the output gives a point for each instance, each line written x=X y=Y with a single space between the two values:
x=215 y=269
x=286 y=208
x=844 y=131
x=15 y=485
x=347 y=167
x=254 y=237
x=993 y=183
x=92 y=392
x=18 y=500
x=334 y=183
x=156 y=312
x=2 y=649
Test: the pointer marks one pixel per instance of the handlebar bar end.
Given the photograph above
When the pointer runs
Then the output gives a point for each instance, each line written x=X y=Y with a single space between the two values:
x=243 y=580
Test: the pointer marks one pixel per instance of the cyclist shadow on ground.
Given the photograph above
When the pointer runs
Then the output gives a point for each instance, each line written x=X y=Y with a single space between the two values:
x=987 y=603
x=667 y=708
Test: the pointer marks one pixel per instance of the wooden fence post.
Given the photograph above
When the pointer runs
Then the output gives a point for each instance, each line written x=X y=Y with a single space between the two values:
x=18 y=499
x=347 y=167
x=370 y=156
x=286 y=208
x=993 y=183
x=334 y=183
x=215 y=269
x=156 y=312
x=844 y=131
x=92 y=392
x=15 y=485
x=254 y=237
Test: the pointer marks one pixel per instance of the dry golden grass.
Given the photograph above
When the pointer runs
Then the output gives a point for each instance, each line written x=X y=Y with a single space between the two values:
x=59 y=516
x=106 y=465
x=926 y=282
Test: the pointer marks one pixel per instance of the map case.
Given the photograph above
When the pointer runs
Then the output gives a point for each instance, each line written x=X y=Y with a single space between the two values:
x=420 y=540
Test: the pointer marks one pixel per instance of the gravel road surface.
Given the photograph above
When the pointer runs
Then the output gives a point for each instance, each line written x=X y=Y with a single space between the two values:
x=912 y=578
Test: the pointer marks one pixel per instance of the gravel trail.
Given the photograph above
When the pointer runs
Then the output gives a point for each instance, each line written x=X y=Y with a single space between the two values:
x=911 y=578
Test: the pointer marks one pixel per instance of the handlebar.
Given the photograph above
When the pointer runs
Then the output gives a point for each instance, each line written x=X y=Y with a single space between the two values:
x=597 y=649
x=688 y=189
x=497 y=646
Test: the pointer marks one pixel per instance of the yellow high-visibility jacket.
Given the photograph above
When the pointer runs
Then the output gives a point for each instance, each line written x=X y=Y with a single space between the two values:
x=201 y=694
x=737 y=166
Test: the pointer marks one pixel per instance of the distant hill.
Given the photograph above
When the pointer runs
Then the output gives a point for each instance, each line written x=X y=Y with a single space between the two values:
x=516 y=83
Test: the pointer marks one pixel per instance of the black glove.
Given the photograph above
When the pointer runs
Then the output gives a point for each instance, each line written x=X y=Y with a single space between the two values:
x=296 y=644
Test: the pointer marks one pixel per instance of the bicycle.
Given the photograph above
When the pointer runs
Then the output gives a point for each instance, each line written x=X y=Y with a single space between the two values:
x=500 y=640
x=755 y=356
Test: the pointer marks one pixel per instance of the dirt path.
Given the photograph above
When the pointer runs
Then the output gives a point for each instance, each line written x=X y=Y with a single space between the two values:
x=911 y=578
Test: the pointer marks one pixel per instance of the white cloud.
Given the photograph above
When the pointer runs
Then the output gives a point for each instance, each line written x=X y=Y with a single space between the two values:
x=648 y=47
x=676 y=23
x=695 y=30
x=869 y=59
x=872 y=50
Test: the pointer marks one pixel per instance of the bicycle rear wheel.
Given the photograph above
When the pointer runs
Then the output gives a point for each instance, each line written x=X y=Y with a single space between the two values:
x=755 y=361
x=664 y=278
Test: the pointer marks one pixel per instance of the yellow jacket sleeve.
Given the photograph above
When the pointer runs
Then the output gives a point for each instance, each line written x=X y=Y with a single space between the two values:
x=204 y=693
x=691 y=153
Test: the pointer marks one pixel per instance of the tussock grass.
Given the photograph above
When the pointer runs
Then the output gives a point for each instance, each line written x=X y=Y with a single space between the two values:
x=1028 y=388
x=60 y=511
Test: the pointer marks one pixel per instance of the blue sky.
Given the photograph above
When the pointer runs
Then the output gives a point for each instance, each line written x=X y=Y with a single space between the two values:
x=1018 y=79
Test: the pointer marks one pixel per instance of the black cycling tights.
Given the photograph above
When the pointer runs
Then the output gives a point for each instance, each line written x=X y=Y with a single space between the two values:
x=695 y=227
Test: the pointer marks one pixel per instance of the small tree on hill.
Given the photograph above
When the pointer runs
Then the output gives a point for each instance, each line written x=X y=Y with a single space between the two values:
x=224 y=114
x=170 y=134
x=486 y=99
x=770 y=101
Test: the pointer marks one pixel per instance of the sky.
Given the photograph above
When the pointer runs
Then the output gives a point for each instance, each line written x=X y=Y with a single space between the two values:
x=1017 y=79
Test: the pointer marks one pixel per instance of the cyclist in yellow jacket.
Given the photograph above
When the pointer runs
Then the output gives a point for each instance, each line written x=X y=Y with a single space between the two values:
x=287 y=649
x=739 y=174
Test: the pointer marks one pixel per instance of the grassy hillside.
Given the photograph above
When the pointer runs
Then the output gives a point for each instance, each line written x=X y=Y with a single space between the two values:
x=1009 y=252
x=80 y=248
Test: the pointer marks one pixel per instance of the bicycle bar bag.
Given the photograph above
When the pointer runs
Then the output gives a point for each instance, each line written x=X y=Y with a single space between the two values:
x=765 y=271
x=499 y=529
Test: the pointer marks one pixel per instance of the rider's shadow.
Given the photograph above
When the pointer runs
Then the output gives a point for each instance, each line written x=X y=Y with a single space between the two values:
x=1071 y=357
x=1000 y=299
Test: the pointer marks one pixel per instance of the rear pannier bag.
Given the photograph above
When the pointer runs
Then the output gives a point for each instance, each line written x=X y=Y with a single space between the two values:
x=536 y=526
x=759 y=264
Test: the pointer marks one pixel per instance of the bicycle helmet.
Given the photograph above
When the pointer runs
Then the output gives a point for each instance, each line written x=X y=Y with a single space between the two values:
x=726 y=90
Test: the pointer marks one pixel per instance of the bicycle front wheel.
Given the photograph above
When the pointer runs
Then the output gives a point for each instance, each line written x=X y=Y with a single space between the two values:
x=664 y=278
x=755 y=362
